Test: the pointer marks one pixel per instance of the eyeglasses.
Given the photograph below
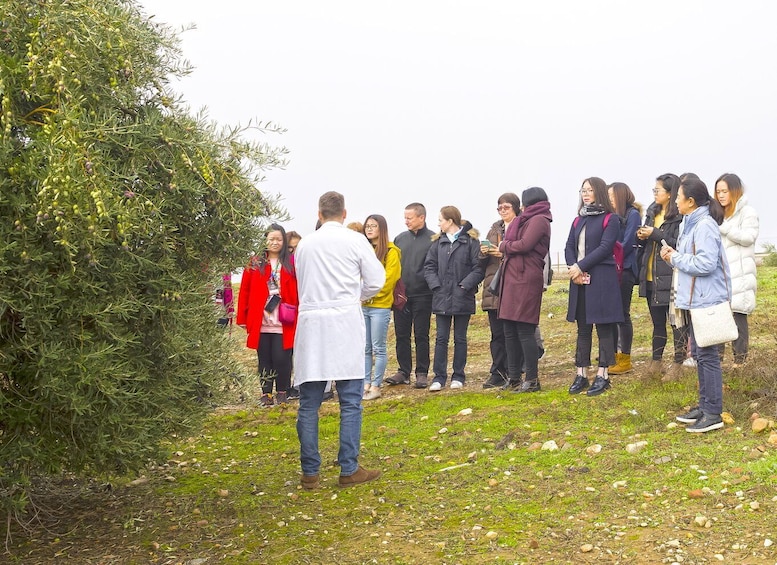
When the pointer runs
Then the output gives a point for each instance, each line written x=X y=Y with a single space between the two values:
x=503 y=207
x=586 y=191
x=657 y=190
x=370 y=226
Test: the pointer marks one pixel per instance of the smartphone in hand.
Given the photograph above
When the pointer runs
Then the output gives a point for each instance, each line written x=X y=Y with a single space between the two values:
x=486 y=243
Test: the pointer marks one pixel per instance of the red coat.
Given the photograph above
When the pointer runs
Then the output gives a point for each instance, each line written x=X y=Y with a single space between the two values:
x=253 y=296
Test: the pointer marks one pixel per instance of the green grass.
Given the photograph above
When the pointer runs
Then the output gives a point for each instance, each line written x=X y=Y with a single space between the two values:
x=231 y=493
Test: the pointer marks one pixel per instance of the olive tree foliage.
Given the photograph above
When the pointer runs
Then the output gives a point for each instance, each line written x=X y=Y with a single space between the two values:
x=118 y=208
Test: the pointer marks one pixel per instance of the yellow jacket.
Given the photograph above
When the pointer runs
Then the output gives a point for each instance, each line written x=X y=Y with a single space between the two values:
x=385 y=297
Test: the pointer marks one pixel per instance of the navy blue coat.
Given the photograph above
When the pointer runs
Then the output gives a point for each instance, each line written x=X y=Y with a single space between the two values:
x=453 y=270
x=603 y=295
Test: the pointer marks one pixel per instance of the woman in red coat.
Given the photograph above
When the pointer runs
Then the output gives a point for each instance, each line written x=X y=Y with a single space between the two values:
x=268 y=281
x=524 y=247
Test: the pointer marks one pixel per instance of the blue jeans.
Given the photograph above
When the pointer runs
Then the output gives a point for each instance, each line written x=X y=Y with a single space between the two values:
x=460 y=324
x=311 y=395
x=377 y=322
x=710 y=377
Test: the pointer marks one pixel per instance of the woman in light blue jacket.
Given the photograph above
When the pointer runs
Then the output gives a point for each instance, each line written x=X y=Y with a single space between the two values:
x=702 y=268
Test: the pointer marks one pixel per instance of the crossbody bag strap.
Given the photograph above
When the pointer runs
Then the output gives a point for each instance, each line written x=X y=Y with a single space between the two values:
x=693 y=279
x=725 y=278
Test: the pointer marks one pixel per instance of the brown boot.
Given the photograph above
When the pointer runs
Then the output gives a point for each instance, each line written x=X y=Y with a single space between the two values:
x=310 y=482
x=361 y=475
x=674 y=373
x=655 y=367
x=622 y=364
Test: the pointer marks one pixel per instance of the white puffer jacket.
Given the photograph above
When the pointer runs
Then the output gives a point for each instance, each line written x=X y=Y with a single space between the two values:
x=739 y=234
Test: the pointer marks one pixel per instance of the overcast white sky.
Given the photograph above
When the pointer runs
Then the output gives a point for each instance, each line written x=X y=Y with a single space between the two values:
x=455 y=102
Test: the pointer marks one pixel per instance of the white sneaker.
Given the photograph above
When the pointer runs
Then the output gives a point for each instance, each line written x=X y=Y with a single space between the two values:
x=690 y=362
x=457 y=384
x=435 y=387
x=372 y=394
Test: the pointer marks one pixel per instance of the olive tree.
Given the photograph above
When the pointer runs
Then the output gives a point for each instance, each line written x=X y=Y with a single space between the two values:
x=118 y=208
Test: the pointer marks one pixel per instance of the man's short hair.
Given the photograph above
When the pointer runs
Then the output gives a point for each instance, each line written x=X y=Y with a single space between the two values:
x=418 y=208
x=331 y=205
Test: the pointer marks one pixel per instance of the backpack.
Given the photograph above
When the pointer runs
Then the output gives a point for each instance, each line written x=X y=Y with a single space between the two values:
x=617 y=250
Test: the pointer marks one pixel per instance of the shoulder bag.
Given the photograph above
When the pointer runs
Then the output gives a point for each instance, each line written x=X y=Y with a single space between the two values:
x=714 y=324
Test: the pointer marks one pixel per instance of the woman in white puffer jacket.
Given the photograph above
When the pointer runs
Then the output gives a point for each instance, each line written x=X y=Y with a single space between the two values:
x=739 y=231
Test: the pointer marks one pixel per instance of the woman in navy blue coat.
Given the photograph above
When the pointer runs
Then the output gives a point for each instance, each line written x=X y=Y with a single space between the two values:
x=453 y=270
x=593 y=283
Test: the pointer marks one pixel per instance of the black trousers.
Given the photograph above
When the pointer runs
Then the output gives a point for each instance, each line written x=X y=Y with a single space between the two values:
x=604 y=332
x=414 y=320
x=274 y=363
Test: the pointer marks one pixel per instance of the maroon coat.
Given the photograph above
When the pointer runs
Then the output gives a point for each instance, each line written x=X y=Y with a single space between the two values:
x=525 y=246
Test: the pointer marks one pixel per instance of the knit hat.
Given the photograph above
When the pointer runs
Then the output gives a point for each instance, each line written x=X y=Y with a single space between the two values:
x=533 y=195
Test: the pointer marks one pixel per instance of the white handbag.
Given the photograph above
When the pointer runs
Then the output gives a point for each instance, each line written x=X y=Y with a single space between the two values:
x=714 y=324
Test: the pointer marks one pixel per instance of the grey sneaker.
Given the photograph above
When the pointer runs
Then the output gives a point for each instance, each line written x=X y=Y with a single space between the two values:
x=706 y=423
x=691 y=416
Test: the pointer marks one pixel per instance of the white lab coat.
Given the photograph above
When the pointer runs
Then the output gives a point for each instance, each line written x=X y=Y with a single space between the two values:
x=336 y=270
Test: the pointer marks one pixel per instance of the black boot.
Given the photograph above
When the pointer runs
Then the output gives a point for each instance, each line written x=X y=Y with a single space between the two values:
x=600 y=385
x=529 y=386
x=495 y=381
x=579 y=385
x=512 y=384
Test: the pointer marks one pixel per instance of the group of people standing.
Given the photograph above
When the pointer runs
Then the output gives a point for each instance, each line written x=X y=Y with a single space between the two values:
x=693 y=249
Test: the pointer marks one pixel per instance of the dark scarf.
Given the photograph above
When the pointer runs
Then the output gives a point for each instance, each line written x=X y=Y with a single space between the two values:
x=592 y=210
x=537 y=209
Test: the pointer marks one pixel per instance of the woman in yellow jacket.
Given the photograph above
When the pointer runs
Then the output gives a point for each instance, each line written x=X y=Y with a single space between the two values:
x=377 y=310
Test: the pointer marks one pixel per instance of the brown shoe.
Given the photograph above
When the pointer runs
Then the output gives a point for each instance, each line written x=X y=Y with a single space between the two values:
x=310 y=482
x=674 y=373
x=361 y=475
x=421 y=381
x=655 y=368
x=398 y=378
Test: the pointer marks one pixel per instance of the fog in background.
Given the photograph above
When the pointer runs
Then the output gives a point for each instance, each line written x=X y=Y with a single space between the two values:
x=448 y=102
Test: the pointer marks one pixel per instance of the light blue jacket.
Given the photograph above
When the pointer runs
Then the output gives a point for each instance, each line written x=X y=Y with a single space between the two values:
x=708 y=264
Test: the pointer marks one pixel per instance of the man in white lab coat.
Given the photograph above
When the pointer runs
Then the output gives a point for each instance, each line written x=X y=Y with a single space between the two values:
x=336 y=270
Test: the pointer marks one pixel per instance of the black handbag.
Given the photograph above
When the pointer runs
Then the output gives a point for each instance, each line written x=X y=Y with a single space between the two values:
x=495 y=285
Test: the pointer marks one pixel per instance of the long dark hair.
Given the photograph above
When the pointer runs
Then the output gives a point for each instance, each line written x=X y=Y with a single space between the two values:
x=381 y=245
x=623 y=196
x=600 y=194
x=671 y=184
x=284 y=257
x=735 y=192
x=696 y=189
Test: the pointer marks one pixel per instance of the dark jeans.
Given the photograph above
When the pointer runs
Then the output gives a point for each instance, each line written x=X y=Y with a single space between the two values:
x=522 y=350
x=741 y=344
x=274 y=363
x=710 y=377
x=625 y=332
x=460 y=324
x=660 y=317
x=497 y=345
x=585 y=338
x=414 y=319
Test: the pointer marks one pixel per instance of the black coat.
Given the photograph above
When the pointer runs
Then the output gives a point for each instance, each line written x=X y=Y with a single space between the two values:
x=453 y=270
x=602 y=296
x=650 y=248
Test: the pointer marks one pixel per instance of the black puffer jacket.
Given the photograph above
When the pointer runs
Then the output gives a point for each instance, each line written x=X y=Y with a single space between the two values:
x=650 y=249
x=453 y=270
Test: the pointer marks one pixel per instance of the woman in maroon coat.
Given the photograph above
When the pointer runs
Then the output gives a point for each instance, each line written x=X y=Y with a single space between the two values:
x=594 y=290
x=269 y=280
x=525 y=246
